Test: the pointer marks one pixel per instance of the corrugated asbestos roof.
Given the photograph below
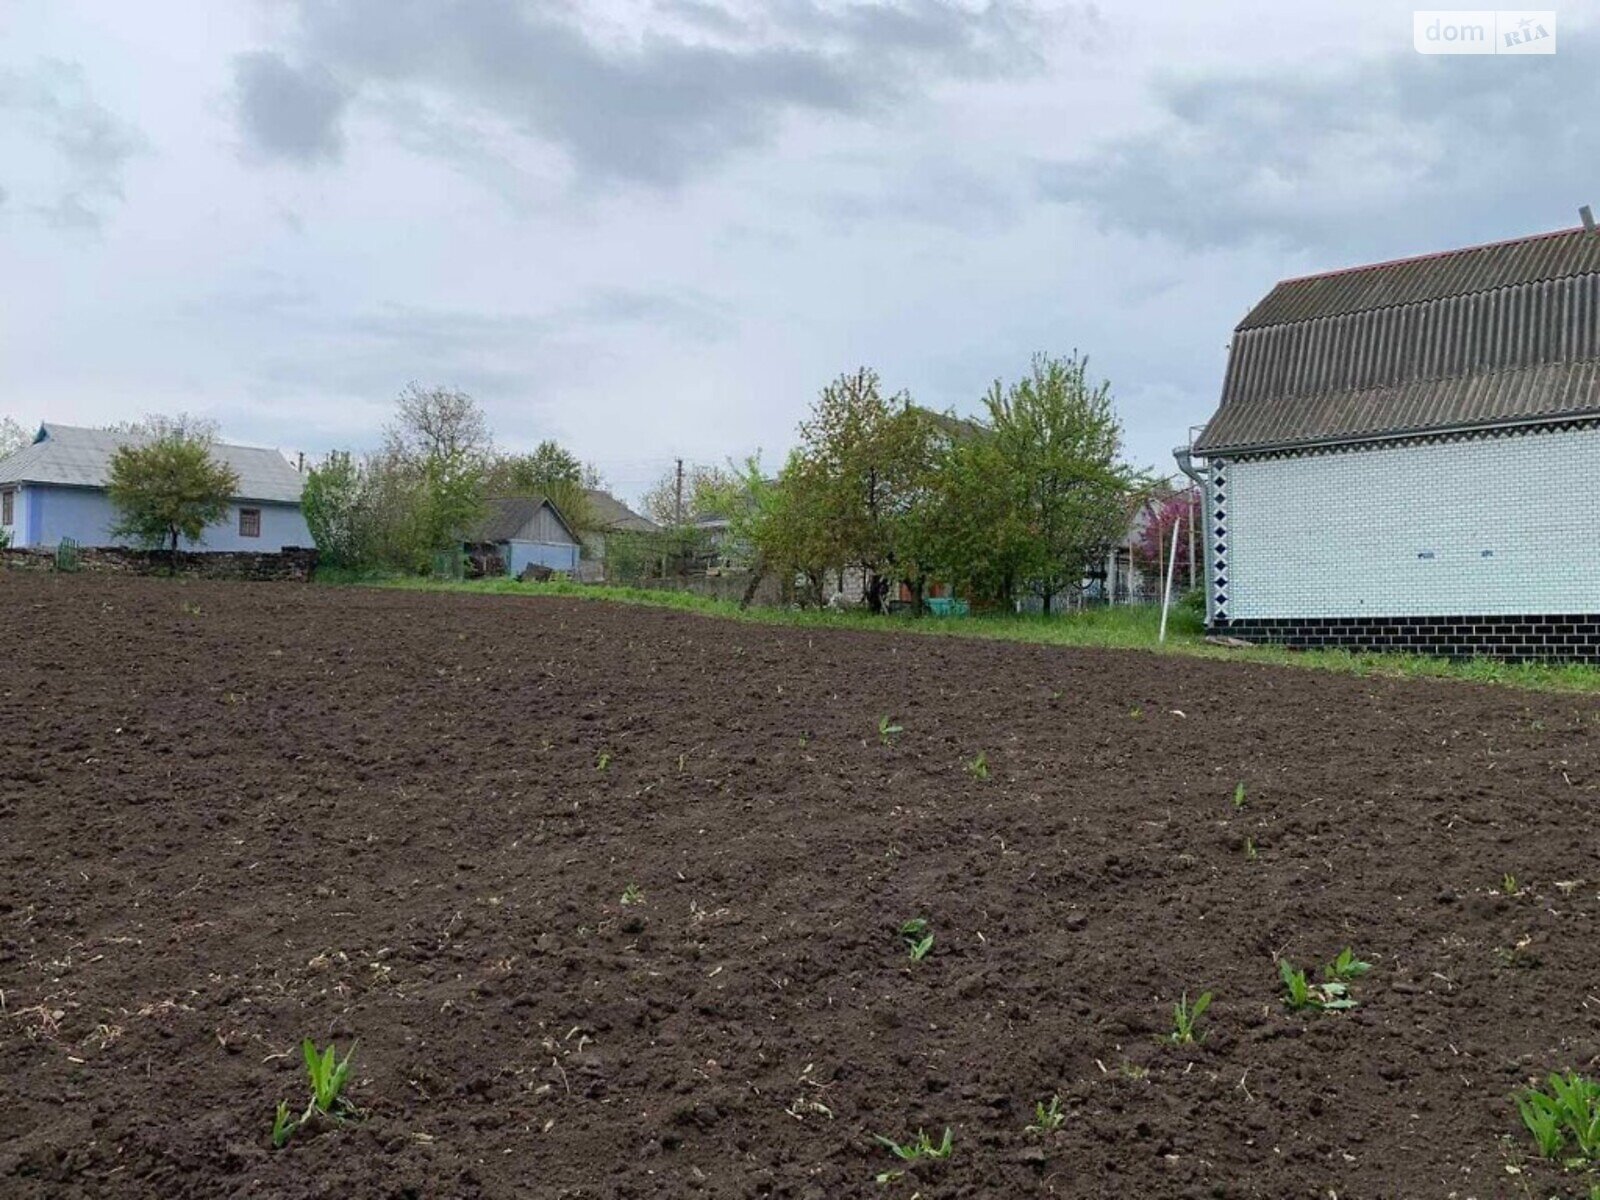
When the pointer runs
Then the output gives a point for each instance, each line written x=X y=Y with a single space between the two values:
x=71 y=456
x=1488 y=335
x=506 y=517
x=1556 y=255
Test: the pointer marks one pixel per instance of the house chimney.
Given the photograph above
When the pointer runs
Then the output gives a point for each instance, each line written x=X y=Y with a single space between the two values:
x=1588 y=218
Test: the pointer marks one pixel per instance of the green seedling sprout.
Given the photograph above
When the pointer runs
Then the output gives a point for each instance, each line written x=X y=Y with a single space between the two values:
x=1047 y=1116
x=1238 y=796
x=888 y=730
x=1185 y=1017
x=282 y=1125
x=917 y=937
x=632 y=894
x=1332 y=996
x=1564 y=1119
x=978 y=767
x=922 y=1147
x=1345 y=967
x=328 y=1075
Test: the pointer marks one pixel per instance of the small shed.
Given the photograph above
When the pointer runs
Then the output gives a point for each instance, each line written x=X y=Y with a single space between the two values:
x=527 y=531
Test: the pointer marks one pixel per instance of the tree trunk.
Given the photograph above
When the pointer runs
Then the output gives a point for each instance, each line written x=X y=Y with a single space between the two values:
x=757 y=570
x=172 y=559
x=874 y=589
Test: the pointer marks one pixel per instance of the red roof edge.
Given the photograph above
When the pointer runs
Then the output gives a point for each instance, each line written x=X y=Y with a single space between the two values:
x=1410 y=258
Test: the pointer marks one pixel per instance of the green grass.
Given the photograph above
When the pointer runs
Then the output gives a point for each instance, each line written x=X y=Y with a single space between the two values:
x=1117 y=628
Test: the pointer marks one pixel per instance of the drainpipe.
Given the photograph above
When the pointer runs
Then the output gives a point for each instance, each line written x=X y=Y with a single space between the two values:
x=1184 y=455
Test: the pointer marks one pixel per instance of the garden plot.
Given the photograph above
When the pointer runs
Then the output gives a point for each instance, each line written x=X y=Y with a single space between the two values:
x=618 y=902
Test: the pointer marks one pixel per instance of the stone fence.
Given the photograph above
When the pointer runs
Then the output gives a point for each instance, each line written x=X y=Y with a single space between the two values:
x=292 y=563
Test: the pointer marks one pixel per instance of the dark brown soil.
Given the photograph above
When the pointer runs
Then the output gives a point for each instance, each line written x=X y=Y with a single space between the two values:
x=235 y=815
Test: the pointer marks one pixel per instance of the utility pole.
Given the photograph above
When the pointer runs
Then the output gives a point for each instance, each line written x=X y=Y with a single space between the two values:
x=677 y=504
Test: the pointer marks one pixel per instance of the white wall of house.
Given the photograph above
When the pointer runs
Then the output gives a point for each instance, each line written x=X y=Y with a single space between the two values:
x=1498 y=525
x=45 y=515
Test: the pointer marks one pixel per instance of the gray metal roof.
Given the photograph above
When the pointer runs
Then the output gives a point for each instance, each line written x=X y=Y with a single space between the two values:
x=72 y=456
x=1496 y=334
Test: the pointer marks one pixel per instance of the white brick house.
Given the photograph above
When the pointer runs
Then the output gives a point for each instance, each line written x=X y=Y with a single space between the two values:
x=1407 y=456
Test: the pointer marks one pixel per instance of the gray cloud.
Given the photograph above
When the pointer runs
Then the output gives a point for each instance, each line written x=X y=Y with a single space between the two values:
x=87 y=144
x=1393 y=155
x=962 y=41
x=659 y=107
x=509 y=361
x=287 y=112
x=710 y=17
x=456 y=334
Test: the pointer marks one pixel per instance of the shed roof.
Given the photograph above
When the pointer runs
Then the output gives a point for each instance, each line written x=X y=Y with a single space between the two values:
x=1489 y=335
x=612 y=515
x=74 y=456
x=506 y=517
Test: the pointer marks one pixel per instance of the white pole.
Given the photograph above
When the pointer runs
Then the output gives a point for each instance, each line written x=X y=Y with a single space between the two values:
x=1172 y=563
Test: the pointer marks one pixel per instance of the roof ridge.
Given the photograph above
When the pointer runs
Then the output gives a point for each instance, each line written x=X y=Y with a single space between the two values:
x=125 y=433
x=1411 y=258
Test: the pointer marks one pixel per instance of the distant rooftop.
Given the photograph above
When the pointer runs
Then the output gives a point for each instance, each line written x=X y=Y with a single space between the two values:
x=613 y=515
x=73 y=456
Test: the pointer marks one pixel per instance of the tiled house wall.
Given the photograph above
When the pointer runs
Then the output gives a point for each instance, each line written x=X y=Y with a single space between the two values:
x=1350 y=547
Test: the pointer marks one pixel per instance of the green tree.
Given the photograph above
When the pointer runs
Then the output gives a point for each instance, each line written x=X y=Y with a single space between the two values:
x=549 y=470
x=427 y=484
x=550 y=461
x=452 y=491
x=775 y=526
x=868 y=457
x=1061 y=484
x=168 y=487
x=333 y=506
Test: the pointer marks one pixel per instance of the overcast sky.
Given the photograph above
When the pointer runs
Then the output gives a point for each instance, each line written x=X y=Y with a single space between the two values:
x=656 y=228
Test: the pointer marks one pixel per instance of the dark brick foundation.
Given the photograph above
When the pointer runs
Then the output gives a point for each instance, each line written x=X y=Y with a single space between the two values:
x=290 y=564
x=1572 y=638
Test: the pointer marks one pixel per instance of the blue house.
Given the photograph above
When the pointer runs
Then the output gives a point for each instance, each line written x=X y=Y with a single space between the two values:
x=527 y=531
x=56 y=488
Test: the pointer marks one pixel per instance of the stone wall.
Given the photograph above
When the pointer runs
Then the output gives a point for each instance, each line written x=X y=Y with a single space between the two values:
x=290 y=564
